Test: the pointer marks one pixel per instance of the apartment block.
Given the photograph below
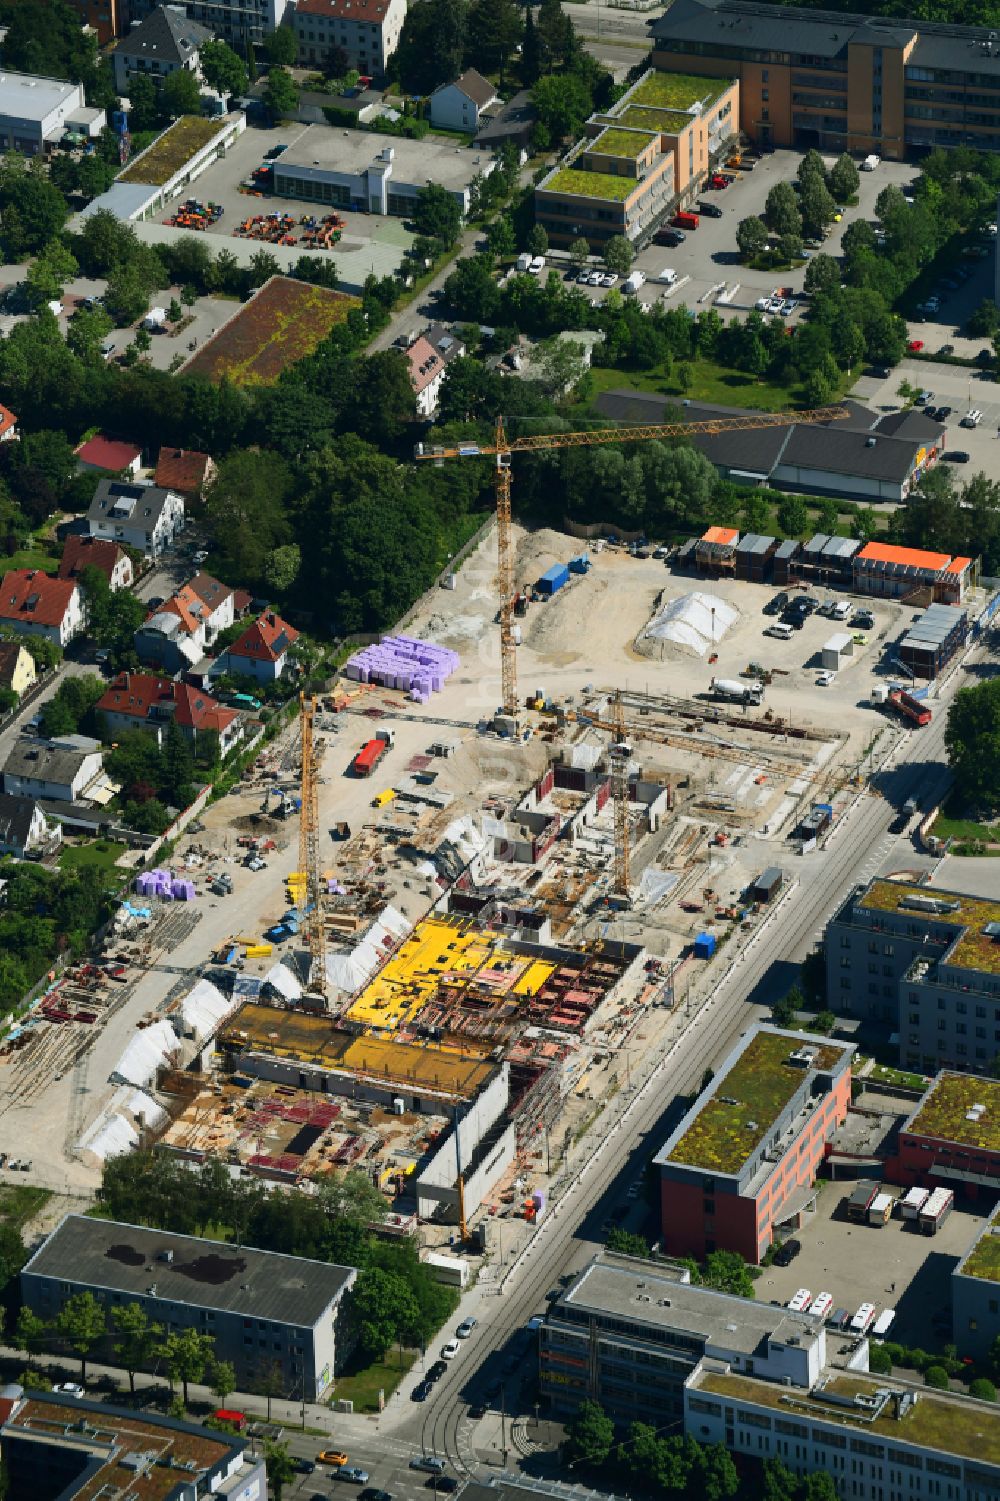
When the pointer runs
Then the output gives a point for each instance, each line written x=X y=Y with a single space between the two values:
x=926 y=962
x=975 y=1294
x=841 y=81
x=743 y=1161
x=238 y=22
x=366 y=30
x=266 y=1312
x=651 y=152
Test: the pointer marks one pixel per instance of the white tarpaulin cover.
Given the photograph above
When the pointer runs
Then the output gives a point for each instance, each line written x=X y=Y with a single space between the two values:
x=147 y=1051
x=689 y=622
x=204 y=1008
x=284 y=982
x=349 y=971
x=117 y=1128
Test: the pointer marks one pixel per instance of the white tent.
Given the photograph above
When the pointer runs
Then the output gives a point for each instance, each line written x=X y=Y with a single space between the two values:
x=281 y=979
x=118 y=1127
x=147 y=1051
x=349 y=971
x=695 y=621
x=204 y=1008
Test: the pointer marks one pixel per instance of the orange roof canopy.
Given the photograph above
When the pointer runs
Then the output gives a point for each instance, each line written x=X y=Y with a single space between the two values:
x=723 y=534
x=906 y=557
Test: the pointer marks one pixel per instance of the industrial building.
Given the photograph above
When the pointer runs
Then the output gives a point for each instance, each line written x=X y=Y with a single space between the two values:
x=628 y=1334
x=952 y=1137
x=374 y=174
x=58 y=1445
x=923 y=961
x=933 y=640
x=975 y=1294
x=262 y=1309
x=840 y=81
x=35 y=113
x=743 y=1161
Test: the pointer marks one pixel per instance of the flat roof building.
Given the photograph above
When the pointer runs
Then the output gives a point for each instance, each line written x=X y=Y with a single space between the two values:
x=36 y=112
x=933 y=640
x=953 y=1136
x=975 y=1294
x=261 y=1308
x=925 y=962
x=745 y=1156
x=371 y=173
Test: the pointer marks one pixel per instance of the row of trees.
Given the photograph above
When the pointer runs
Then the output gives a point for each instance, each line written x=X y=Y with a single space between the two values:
x=46 y=913
x=442 y=37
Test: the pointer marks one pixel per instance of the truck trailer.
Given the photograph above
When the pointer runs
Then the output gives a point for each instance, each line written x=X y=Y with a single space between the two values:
x=936 y=1210
x=909 y=707
x=368 y=757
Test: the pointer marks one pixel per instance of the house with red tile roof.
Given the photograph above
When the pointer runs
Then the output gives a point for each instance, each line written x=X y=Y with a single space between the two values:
x=108 y=455
x=185 y=470
x=36 y=604
x=261 y=652
x=143 y=701
x=367 y=30
x=80 y=552
x=428 y=358
x=178 y=632
x=8 y=425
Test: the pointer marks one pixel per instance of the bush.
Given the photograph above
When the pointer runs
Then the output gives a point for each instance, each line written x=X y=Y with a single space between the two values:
x=983 y=1389
x=879 y=1360
x=936 y=1376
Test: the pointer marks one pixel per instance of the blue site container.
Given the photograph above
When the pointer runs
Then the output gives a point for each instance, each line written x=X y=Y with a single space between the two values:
x=553 y=579
x=704 y=945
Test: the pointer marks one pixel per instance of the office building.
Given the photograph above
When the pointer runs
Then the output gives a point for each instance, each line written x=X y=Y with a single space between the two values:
x=922 y=961
x=373 y=174
x=264 y=1311
x=975 y=1294
x=952 y=1137
x=650 y=153
x=628 y=1334
x=60 y=1446
x=840 y=81
x=238 y=22
x=35 y=113
x=743 y=1161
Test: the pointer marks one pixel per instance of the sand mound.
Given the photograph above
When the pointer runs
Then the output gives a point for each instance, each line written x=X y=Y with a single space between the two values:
x=562 y=625
x=537 y=551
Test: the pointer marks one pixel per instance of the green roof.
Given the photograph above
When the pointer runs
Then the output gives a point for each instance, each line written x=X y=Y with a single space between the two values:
x=644 y=117
x=747 y=1100
x=677 y=90
x=945 y=1108
x=951 y=1423
x=984 y=1258
x=170 y=151
x=975 y=949
x=590 y=184
x=616 y=142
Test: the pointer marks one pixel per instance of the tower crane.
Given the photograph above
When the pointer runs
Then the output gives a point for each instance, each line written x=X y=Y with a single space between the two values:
x=502 y=449
x=309 y=852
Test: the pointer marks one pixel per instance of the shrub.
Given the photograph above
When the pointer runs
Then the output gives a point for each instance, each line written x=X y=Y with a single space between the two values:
x=983 y=1389
x=936 y=1376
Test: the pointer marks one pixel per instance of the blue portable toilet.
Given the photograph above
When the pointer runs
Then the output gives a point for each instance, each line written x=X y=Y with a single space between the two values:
x=704 y=945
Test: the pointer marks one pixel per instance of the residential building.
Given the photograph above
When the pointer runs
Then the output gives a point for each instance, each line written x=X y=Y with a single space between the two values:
x=373 y=174
x=262 y=652
x=140 y=701
x=108 y=455
x=237 y=22
x=38 y=605
x=164 y=43
x=36 y=112
x=511 y=124
x=59 y=770
x=628 y=1334
x=366 y=30
x=743 y=1161
x=82 y=551
x=921 y=961
x=841 y=81
x=185 y=471
x=17 y=667
x=461 y=105
x=952 y=1137
x=178 y=632
x=428 y=357
x=263 y=1310
x=8 y=425
x=24 y=829
x=145 y=517
x=867 y=456
x=107 y=18
x=652 y=152
x=975 y=1294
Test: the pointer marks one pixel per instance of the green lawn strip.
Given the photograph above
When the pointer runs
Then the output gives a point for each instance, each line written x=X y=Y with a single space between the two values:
x=104 y=853
x=362 y=1385
x=20 y=1202
x=34 y=555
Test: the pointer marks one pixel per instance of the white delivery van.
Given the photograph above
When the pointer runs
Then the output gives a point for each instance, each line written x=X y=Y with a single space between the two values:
x=667 y=276
x=870 y=163
x=524 y=261
x=632 y=283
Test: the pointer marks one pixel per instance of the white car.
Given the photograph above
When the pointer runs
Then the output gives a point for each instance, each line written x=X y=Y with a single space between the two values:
x=596 y=278
x=800 y=1302
x=821 y=1305
x=537 y=265
x=583 y=280
x=466 y=1327
x=70 y=1389
x=781 y=632
x=609 y=278
x=789 y=305
x=826 y=679
x=761 y=305
x=775 y=304
x=450 y=1350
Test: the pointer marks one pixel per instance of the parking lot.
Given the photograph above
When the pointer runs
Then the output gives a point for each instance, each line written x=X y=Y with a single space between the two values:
x=893 y=1267
x=957 y=386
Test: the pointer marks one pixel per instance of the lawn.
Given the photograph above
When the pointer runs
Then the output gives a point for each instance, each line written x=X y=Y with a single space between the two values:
x=363 y=1385
x=882 y=1073
x=709 y=382
x=32 y=555
x=618 y=142
x=678 y=90
x=950 y=825
x=282 y=324
x=20 y=1202
x=590 y=184
x=103 y=854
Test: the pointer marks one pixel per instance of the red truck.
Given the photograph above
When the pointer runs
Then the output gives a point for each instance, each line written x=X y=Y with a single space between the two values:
x=368 y=757
x=684 y=220
x=911 y=708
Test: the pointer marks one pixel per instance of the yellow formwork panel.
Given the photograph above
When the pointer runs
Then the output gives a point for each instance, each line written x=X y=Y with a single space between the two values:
x=534 y=977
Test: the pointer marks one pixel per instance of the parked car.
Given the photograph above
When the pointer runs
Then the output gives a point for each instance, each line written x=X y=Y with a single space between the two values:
x=946 y=349
x=670 y=237
x=710 y=210
x=972 y=418
x=429 y=1462
x=466 y=1327
x=864 y=618
x=955 y=456
x=445 y=1483
x=374 y=1494
x=777 y=604
x=608 y=278
x=437 y=1370
x=826 y=679
x=450 y=1350
x=70 y=1389
x=303 y=1466
x=352 y=1473
x=924 y=398
x=334 y=1457
x=781 y=632
x=422 y=1391
x=786 y=1253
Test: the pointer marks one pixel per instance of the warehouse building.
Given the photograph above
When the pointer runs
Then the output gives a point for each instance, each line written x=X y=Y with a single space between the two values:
x=922 y=961
x=952 y=1137
x=933 y=640
x=374 y=174
x=263 y=1310
x=742 y=1163
x=975 y=1294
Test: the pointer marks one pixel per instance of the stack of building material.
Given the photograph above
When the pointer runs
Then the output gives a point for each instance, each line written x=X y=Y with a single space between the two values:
x=418 y=667
x=160 y=883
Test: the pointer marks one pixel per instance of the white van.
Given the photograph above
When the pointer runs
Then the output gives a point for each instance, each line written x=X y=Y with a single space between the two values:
x=667 y=276
x=883 y=1323
x=632 y=283
x=863 y=1319
x=972 y=418
x=870 y=163
x=841 y=610
x=781 y=631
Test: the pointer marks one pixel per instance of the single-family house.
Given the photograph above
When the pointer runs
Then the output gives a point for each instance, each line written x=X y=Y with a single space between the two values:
x=141 y=701
x=24 y=829
x=261 y=652
x=17 y=667
x=39 y=605
x=460 y=105
x=428 y=357
x=61 y=769
x=82 y=551
x=146 y=517
x=108 y=455
x=178 y=632
x=185 y=471
x=511 y=125
x=164 y=43
x=8 y=425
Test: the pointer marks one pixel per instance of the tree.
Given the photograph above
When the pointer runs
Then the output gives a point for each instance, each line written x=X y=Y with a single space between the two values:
x=983 y=1390
x=49 y=273
x=94 y=176
x=626 y=1242
x=816 y=207
x=560 y=365
x=556 y=36
x=972 y=740
x=223 y=1379
x=811 y=167
x=222 y=68
x=383 y=402
x=495 y=28
x=751 y=237
x=618 y=255
x=785 y=1009
x=384 y=1309
x=282 y=567
x=246 y=508
x=437 y=214
x=819 y=1487
x=793 y=515
x=144 y=101
x=180 y=94
x=890 y=203
x=937 y=1377
x=279 y=47
x=822 y=275
x=186 y=1354
x=729 y=1273
x=279 y=1465
x=531 y=51
x=126 y=298
x=563 y=102
x=579 y=250
x=88 y=329
x=879 y=1360
x=844 y=179
x=716 y=1473
x=80 y=1322
x=589 y=1435
x=32 y=1332
x=281 y=92
x=781 y=210
x=432 y=44
x=538 y=239
x=137 y=1338
x=500 y=237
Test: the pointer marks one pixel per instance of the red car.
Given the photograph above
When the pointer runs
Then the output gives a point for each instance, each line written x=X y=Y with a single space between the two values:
x=915 y=346
x=718 y=181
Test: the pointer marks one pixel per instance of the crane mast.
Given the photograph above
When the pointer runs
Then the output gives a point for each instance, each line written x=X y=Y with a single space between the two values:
x=309 y=852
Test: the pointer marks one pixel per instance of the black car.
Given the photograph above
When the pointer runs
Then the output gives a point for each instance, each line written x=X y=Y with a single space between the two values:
x=372 y=1493
x=422 y=1391
x=437 y=1370
x=942 y=414
x=303 y=1466
x=446 y=1483
x=947 y=349
x=786 y=1254
x=899 y=824
x=776 y=605
x=864 y=620
x=955 y=456
x=710 y=210
x=669 y=237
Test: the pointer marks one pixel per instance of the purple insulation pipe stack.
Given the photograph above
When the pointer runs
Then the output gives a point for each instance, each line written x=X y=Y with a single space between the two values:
x=403 y=662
